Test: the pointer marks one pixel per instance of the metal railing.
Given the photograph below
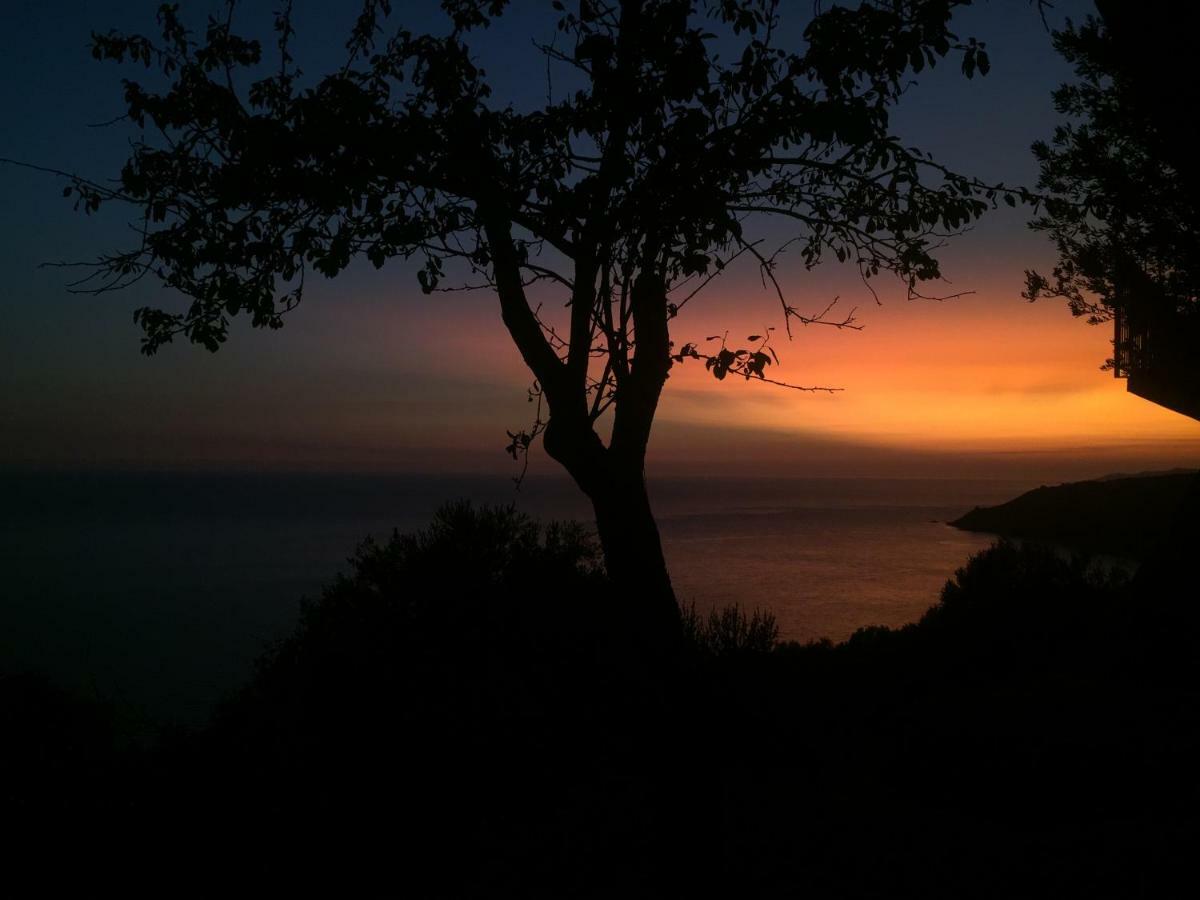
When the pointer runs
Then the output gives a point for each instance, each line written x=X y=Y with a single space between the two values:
x=1158 y=343
x=1159 y=352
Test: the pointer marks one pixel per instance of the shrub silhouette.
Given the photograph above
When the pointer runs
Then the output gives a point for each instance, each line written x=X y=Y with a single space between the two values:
x=444 y=720
x=468 y=682
x=474 y=681
x=443 y=723
x=1007 y=744
x=478 y=624
x=730 y=630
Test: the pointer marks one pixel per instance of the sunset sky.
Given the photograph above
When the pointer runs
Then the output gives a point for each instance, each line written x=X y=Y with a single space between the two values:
x=370 y=374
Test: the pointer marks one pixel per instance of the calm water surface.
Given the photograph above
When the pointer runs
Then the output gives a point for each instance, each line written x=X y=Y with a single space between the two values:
x=158 y=590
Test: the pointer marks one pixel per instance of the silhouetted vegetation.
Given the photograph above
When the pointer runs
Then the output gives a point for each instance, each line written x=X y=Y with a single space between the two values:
x=51 y=736
x=670 y=139
x=1124 y=215
x=1124 y=195
x=495 y=707
x=1124 y=183
x=458 y=715
x=730 y=630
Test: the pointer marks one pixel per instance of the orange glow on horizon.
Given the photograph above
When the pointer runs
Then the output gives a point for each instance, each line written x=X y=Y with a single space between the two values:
x=433 y=384
x=986 y=372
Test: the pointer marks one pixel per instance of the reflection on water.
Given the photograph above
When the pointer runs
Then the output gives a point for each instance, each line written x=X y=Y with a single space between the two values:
x=825 y=573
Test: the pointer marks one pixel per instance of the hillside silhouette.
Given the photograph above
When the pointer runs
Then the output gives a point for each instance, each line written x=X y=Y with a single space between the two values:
x=1126 y=516
x=466 y=713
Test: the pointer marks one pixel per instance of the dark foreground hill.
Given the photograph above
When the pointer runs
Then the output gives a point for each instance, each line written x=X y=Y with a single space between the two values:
x=1125 y=516
x=469 y=713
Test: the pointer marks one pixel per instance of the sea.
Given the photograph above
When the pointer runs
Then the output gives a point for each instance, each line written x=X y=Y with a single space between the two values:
x=156 y=591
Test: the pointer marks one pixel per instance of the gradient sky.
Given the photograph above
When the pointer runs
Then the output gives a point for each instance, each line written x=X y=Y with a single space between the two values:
x=370 y=374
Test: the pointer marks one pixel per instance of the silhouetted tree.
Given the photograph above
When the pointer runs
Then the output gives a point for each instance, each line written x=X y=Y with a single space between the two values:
x=1125 y=217
x=670 y=132
x=1125 y=213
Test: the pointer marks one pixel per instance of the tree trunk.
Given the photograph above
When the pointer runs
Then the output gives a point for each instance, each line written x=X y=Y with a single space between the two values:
x=628 y=532
x=644 y=601
x=612 y=477
x=634 y=558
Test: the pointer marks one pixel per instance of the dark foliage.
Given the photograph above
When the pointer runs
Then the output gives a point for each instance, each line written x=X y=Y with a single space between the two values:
x=1030 y=736
x=1125 y=213
x=678 y=124
x=432 y=700
x=445 y=724
x=729 y=631
x=50 y=736
x=671 y=135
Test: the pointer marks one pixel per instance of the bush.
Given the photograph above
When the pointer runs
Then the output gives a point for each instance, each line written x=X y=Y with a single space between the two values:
x=729 y=631
x=443 y=684
x=470 y=614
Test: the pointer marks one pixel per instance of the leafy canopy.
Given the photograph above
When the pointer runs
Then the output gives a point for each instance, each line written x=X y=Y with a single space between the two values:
x=1125 y=213
x=670 y=133
x=683 y=123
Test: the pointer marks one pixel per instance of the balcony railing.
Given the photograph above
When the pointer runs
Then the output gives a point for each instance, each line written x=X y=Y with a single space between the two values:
x=1159 y=353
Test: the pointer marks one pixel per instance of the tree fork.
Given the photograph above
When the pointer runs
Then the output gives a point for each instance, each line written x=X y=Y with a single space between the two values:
x=629 y=537
x=643 y=178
